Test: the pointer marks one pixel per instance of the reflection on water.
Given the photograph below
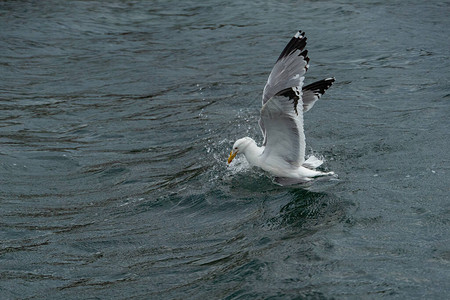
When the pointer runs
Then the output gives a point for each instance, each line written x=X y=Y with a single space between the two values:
x=310 y=211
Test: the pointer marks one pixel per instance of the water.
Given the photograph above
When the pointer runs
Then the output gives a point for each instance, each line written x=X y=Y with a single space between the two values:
x=116 y=119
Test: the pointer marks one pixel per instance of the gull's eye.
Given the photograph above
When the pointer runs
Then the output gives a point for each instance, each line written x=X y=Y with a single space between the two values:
x=235 y=148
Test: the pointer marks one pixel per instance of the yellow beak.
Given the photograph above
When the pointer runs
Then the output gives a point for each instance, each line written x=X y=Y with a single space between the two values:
x=232 y=156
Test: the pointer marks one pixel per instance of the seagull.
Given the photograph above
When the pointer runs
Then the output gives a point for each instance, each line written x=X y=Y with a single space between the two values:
x=284 y=101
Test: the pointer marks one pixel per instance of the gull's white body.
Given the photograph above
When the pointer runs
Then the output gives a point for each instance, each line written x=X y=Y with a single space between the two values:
x=286 y=173
x=284 y=101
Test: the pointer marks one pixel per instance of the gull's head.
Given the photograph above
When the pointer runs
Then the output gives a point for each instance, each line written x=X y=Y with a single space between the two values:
x=239 y=147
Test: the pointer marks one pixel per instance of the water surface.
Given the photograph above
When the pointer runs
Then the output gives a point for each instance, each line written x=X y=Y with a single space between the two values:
x=116 y=119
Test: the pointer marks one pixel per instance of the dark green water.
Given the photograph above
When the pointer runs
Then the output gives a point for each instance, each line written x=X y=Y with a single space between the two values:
x=116 y=119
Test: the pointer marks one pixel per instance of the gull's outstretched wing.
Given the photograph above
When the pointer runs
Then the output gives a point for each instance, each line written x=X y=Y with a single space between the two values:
x=285 y=139
x=287 y=73
x=312 y=92
x=289 y=69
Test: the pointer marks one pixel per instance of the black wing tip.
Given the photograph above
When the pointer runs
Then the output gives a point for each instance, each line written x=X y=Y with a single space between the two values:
x=319 y=87
x=297 y=42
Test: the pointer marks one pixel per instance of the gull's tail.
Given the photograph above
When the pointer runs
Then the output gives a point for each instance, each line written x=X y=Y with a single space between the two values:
x=312 y=162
